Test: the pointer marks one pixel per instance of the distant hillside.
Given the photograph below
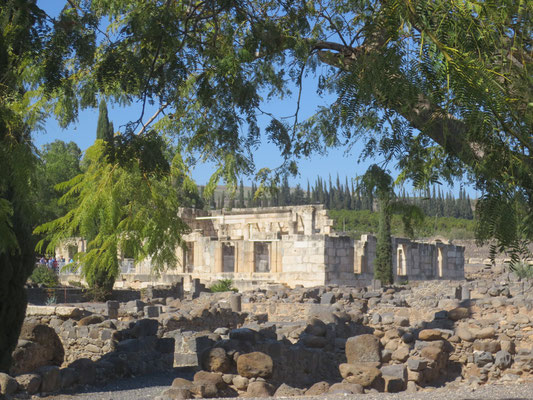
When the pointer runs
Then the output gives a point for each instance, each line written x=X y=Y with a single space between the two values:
x=355 y=223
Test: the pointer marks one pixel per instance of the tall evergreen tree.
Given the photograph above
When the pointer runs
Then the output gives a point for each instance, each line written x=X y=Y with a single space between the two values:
x=104 y=128
x=241 y=195
x=285 y=192
x=377 y=181
x=380 y=183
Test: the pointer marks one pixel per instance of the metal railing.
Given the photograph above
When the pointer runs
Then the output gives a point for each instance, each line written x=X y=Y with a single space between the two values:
x=126 y=266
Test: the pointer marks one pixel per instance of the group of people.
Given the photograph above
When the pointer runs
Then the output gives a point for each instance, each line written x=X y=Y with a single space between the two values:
x=54 y=263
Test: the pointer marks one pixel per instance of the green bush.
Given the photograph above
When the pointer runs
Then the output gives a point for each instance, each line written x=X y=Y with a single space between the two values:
x=223 y=285
x=77 y=284
x=45 y=276
x=99 y=294
x=523 y=270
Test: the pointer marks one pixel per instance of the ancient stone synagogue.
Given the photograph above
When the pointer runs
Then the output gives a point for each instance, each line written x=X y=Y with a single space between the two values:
x=293 y=245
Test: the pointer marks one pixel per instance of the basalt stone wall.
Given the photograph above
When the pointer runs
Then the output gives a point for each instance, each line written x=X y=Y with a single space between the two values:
x=64 y=295
x=41 y=296
x=93 y=349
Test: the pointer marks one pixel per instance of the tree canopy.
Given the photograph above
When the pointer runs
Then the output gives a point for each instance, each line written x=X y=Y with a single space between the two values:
x=121 y=208
x=57 y=162
x=441 y=88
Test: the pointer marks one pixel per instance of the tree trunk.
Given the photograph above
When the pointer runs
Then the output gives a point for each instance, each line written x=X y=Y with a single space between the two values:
x=15 y=267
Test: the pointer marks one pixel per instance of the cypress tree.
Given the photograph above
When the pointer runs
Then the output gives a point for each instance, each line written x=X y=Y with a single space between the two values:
x=104 y=128
x=377 y=181
x=383 y=261
x=241 y=195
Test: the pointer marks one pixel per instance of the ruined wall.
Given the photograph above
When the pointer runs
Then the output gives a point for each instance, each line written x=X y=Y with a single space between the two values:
x=293 y=245
x=339 y=260
x=303 y=260
x=411 y=260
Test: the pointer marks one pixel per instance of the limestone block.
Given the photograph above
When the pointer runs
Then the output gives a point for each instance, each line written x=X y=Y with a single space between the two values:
x=8 y=385
x=40 y=310
x=503 y=359
x=255 y=364
x=51 y=378
x=345 y=388
x=68 y=312
x=151 y=311
x=417 y=364
x=363 y=374
x=395 y=377
x=259 y=389
x=30 y=383
x=317 y=389
x=363 y=348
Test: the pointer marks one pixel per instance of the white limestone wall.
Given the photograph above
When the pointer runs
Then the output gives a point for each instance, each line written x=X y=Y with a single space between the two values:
x=419 y=260
x=339 y=260
x=303 y=260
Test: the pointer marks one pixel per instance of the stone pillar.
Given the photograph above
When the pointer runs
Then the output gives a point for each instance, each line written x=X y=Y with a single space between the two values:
x=178 y=288
x=249 y=258
x=197 y=255
x=465 y=293
x=238 y=257
x=235 y=302
x=112 y=309
x=219 y=258
x=275 y=257
x=457 y=292
x=196 y=288
x=293 y=224
x=308 y=218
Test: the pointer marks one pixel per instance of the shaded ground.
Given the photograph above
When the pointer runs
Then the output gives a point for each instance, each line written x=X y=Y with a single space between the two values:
x=148 y=386
x=135 y=388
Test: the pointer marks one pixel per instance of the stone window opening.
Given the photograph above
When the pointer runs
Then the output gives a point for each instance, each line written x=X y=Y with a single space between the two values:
x=228 y=257
x=72 y=250
x=262 y=257
x=189 y=257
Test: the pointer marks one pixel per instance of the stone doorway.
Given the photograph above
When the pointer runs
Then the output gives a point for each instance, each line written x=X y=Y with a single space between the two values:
x=440 y=262
x=262 y=256
x=402 y=262
x=228 y=257
x=72 y=251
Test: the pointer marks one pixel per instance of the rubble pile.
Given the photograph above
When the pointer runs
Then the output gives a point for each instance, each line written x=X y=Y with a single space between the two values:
x=279 y=341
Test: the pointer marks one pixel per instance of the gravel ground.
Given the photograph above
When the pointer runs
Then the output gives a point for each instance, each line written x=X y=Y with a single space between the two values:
x=138 y=388
x=149 y=386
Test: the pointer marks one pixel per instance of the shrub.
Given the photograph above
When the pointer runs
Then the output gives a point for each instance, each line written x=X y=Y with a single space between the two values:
x=223 y=285
x=51 y=300
x=45 y=276
x=523 y=270
x=99 y=294
x=77 y=284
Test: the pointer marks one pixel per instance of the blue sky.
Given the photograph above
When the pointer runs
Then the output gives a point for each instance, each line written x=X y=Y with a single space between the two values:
x=339 y=162
x=83 y=132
